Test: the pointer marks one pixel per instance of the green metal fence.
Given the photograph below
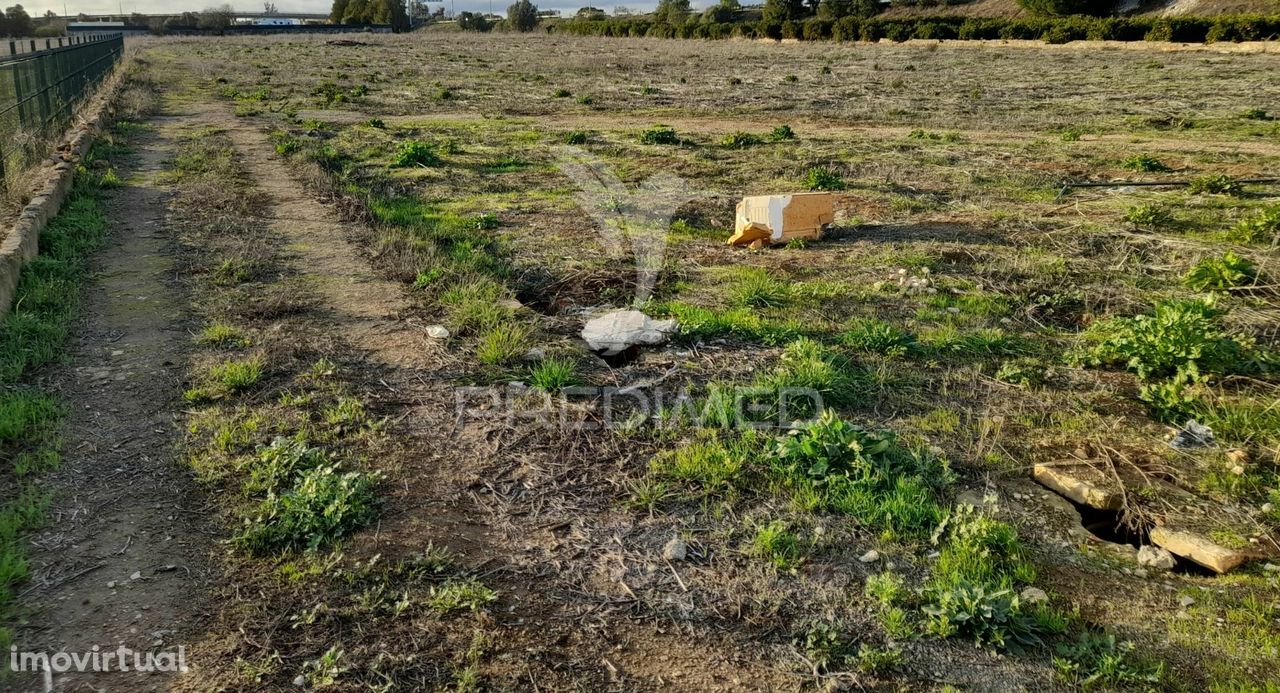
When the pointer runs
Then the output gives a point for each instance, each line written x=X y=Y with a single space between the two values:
x=40 y=91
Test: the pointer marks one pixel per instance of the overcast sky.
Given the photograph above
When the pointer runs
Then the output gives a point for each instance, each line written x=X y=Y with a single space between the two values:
x=39 y=7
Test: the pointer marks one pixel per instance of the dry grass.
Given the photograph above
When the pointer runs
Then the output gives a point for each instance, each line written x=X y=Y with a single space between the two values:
x=953 y=158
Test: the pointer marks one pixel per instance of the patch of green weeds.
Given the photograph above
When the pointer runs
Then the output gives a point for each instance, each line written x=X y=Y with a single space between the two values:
x=236 y=376
x=1026 y=373
x=989 y=616
x=220 y=334
x=1098 y=660
x=755 y=287
x=697 y=322
x=659 y=134
x=821 y=178
x=1263 y=227
x=807 y=367
x=782 y=133
x=553 y=374
x=712 y=463
x=467 y=594
x=740 y=140
x=877 y=336
x=1148 y=217
x=875 y=660
x=503 y=343
x=416 y=153
x=777 y=545
x=1221 y=273
x=1145 y=163
x=1214 y=184
x=325 y=505
x=823 y=646
x=838 y=466
x=1172 y=336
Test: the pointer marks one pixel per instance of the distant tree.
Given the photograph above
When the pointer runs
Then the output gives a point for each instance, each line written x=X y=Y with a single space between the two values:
x=1066 y=7
x=388 y=12
x=17 y=22
x=269 y=8
x=522 y=15
x=337 y=11
x=621 y=11
x=216 y=18
x=186 y=19
x=672 y=12
x=782 y=10
x=474 y=21
x=836 y=9
x=50 y=14
x=357 y=12
x=590 y=13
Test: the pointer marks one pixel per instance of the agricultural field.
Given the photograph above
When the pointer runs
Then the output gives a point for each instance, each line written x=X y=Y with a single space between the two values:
x=383 y=253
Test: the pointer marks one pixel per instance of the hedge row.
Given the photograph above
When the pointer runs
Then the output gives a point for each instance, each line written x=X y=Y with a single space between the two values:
x=1053 y=29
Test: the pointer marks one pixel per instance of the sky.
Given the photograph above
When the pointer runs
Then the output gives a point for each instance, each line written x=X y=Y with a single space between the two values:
x=39 y=7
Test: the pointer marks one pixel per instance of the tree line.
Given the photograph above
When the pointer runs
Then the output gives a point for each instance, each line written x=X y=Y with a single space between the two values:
x=822 y=25
x=16 y=22
x=370 y=12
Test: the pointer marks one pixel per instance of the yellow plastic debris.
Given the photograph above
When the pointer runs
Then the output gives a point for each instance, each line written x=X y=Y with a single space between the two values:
x=772 y=219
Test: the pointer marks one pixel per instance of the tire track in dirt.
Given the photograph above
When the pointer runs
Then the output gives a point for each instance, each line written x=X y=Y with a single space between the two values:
x=124 y=560
x=553 y=640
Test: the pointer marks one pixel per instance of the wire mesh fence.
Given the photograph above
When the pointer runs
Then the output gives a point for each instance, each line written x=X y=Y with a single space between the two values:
x=40 y=90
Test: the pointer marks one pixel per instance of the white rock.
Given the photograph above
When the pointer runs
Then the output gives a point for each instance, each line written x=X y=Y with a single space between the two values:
x=1034 y=595
x=137 y=575
x=438 y=332
x=1186 y=601
x=535 y=354
x=675 y=550
x=300 y=681
x=1271 y=567
x=1156 y=557
x=870 y=557
x=1268 y=507
x=615 y=332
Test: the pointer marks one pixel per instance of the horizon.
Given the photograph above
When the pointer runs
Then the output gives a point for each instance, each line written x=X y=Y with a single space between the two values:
x=164 y=7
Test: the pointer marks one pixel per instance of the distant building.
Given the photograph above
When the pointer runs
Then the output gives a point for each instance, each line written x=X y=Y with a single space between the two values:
x=277 y=21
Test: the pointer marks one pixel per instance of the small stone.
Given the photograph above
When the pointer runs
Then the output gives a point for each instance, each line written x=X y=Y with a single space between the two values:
x=111 y=585
x=137 y=575
x=1238 y=470
x=675 y=550
x=438 y=332
x=1267 y=507
x=1271 y=567
x=870 y=557
x=534 y=354
x=1140 y=572
x=1034 y=595
x=1156 y=557
x=1186 y=601
x=300 y=681
x=1240 y=457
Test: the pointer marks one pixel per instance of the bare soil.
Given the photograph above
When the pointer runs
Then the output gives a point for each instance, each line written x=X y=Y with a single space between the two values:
x=126 y=557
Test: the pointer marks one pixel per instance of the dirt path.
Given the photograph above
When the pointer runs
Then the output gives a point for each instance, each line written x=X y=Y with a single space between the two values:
x=442 y=473
x=124 y=558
